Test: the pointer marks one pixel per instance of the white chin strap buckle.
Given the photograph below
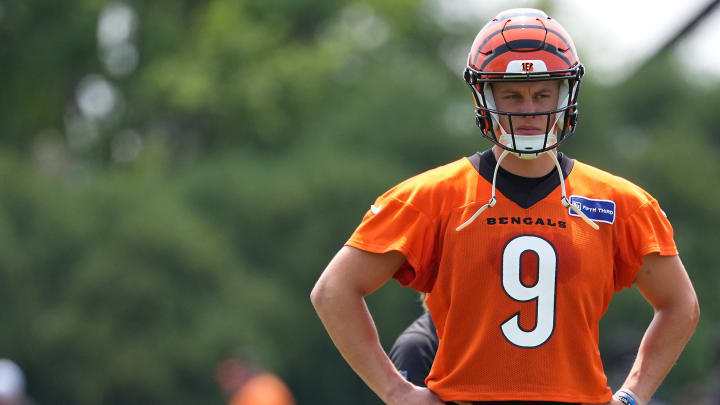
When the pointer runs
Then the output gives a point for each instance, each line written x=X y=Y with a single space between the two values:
x=533 y=144
x=528 y=156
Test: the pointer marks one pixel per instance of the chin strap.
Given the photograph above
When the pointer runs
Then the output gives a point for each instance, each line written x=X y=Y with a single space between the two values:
x=564 y=198
x=492 y=201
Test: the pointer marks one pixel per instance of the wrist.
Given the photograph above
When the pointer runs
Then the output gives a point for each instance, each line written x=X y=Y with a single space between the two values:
x=627 y=397
x=397 y=391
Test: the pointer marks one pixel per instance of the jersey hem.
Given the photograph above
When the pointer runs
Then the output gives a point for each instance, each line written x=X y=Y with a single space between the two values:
x=662 y=251
x=513 y=396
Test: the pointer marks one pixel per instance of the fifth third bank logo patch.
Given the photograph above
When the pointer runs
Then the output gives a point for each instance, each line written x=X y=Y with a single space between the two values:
x=597 y=210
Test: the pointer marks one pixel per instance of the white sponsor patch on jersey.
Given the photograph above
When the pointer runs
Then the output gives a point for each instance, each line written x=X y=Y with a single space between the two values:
x=595 y=209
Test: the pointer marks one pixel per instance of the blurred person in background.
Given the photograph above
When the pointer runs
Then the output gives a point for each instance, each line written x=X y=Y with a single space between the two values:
x=12 y=384
x=413 y=352
x=516 y=286
x=247 y=384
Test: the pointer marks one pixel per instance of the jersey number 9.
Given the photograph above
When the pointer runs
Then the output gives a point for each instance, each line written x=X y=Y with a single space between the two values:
x=543 y=291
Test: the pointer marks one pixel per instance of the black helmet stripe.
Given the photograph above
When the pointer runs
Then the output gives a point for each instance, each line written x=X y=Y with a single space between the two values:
x=534 y=44
x=492 y=35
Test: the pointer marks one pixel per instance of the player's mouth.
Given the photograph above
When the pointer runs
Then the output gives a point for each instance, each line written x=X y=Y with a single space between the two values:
x=528 y=130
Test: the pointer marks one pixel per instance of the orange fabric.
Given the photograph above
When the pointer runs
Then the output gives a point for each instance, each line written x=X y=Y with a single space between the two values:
x=264 y=389
x=502 y=338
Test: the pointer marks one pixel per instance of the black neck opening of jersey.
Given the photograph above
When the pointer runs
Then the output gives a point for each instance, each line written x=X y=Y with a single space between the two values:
x=523 y=191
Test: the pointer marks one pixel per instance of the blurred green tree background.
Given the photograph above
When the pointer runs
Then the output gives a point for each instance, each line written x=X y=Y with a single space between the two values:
x=176 y=174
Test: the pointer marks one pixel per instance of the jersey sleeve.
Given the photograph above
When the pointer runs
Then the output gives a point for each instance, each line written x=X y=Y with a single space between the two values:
x=393 y=223
x=645 y=231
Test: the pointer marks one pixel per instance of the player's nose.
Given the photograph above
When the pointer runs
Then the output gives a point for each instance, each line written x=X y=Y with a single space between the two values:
x=529 y=105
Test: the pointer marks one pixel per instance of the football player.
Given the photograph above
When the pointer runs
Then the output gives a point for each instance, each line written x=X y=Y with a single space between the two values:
x=520 y=248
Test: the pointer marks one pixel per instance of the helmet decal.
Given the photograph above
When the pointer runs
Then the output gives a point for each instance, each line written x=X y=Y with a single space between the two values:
x=520 y=66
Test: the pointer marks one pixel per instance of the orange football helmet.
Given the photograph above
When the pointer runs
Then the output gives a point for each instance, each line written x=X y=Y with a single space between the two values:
x=524 y=45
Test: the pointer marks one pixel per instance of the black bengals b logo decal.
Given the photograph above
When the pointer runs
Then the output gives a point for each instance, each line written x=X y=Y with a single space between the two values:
x=527 y=67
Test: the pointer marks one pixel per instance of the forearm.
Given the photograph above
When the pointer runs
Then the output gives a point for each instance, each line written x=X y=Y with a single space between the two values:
x=660 y=348
x=350 y=326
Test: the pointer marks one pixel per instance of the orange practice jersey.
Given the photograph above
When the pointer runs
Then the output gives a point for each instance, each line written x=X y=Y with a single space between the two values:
x=517 y=295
